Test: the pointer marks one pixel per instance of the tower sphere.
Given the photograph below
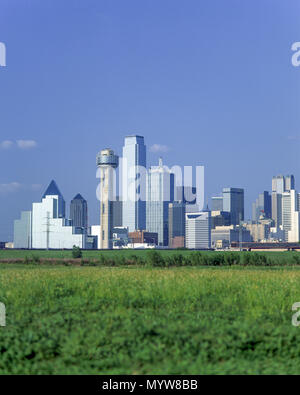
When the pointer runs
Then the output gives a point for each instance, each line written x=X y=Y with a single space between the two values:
x=107 y=157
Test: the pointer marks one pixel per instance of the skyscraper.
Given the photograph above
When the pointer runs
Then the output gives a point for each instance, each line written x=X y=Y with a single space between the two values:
x=117 y=208
x=198 y=230
x=262 y=206
x=50 y=228
x=53 y=190
x=134 y=183
x=277 y=208
x=280 y=184
x=176 y=224
x=217 y=203
x=186 y=194
x=107 y=162
x=160 y=192
x=290 y=216
x=233 y=202
x=22 y=231
x=79 y=212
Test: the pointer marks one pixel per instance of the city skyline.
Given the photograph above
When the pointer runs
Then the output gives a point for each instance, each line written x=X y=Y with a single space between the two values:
x=53 y=189
x=225 y=218
x=199 y=83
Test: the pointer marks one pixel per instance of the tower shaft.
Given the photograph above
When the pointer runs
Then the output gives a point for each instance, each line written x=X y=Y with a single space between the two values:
x=107 y=162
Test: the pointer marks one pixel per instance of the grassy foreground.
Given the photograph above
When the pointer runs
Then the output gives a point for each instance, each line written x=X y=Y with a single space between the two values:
x=95 y=254
x=91 y=320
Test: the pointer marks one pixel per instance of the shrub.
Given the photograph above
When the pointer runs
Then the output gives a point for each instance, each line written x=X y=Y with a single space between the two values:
x=76 y=252
x=132 y=260
x=155 y=259
x=296 y=259
x=35 y=259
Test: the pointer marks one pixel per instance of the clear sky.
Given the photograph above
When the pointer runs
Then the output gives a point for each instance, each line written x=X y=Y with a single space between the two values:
x=210 y=82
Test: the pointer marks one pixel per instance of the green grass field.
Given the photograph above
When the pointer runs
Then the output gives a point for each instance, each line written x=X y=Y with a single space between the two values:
x=192 y=320
x=59 y=254
x=94 y=254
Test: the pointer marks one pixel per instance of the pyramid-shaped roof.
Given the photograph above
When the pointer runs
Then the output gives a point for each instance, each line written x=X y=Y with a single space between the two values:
x=78 y=197
x=52 y=190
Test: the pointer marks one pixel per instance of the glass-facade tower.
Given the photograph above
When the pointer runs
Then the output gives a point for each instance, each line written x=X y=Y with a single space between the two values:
x=262 y=206
x=134 y=183
x=79 y=212
x=160 y=192
x=233 y=202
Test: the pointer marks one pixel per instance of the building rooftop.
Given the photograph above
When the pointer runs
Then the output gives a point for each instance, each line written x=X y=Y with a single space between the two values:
x=78 y=197
x=52 y=190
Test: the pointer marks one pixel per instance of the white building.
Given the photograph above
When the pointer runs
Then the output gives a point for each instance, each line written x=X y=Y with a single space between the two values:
x=198 y=230
x=290 y=216
x=49 y=231
x=96 y=231
x=22 y=231
x=49 y=227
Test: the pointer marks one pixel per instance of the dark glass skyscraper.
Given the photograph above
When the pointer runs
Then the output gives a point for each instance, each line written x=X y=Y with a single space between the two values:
x=233 y=202
x=262 y=206
x=117 y=209
x=79 y=212
x=176 y=224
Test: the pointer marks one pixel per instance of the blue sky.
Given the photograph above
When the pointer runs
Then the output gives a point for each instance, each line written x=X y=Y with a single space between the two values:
x=210 y=80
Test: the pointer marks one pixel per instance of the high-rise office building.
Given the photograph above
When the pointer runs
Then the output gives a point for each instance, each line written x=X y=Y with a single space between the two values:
x=233 y=202
x=286 y=213
x=217 y=203
x=186 y=194
x=53 y=190
x=134 y=183
x=277 y=209
x=45 y=227
x=117 y=208
x=198 y=230
x=107 y=162
x=176 y=224
x=289 y=183
x=79 y=212
x=280 y=184
x=262 y=206
x=290 y=216
x=22 y=231
x=50 y=228
x=160 y=192
x=220 y=218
